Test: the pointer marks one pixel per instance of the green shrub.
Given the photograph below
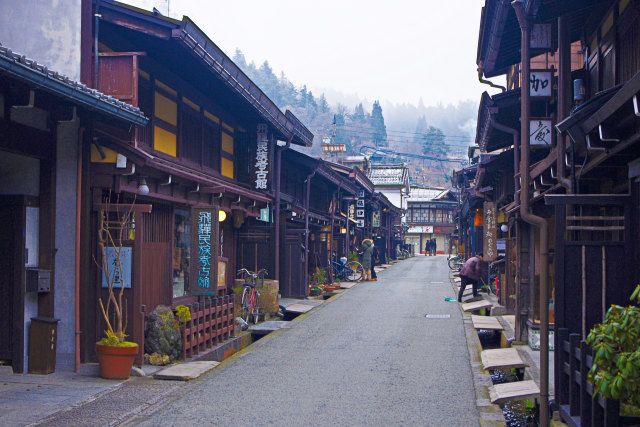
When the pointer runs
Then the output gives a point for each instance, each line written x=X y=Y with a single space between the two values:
x=616 y=344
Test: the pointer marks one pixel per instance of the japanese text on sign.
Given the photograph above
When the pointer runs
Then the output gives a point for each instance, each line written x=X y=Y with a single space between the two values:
x=540 y=132
x=204 y=250
x=540 y=83
x=262 y=158
x=490 y=231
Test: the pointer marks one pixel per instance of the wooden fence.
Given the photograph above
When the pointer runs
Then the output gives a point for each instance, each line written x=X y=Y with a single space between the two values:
x=212 y=322
x=574 y=394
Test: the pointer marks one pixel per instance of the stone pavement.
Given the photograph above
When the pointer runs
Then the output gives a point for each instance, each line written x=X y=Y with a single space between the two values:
x=85 y=399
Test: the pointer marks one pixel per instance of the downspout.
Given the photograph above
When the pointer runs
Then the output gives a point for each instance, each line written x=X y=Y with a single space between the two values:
x=306 y=230
x=487 y=82
x=77 y=256
x=564 y=77
x=276 y=214
x=96 y=28
x=525 y=210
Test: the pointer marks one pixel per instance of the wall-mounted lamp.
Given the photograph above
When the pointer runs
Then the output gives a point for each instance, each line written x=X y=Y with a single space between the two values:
x=504 y=228
x=579 y=90
x=143 y=188
x=222 y=215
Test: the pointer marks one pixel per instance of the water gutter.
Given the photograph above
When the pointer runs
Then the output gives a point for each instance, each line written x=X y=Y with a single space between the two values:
x=525 y=210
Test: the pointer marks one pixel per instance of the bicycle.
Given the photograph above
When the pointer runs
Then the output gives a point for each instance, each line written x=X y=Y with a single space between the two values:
x=250 y=294
x=455 y=263
x=351 y=271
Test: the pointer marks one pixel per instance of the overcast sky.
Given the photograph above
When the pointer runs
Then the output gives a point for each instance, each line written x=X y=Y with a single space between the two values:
x=397 y=51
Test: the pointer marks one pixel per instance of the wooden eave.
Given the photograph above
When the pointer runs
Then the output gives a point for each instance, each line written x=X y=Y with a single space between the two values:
x=193 y=42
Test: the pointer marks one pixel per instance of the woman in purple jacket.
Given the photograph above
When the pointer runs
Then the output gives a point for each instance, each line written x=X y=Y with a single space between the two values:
x=470 y=273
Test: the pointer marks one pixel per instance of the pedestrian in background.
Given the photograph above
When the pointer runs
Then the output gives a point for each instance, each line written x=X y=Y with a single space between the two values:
x=470 y=273
x=374 y=261
x=427 y=246
x=367 y=255
x=434 y=246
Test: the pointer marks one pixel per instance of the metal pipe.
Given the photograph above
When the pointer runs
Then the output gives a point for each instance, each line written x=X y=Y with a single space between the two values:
x=525 y=210
x=306 y=230
x=564 y=82
x=77 y=255
x=276 y=214
x=96 y=30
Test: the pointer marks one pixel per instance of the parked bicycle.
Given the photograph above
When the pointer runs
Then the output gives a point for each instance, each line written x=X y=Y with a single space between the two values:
x=455 y=263
x=491 y=285
x=351 y=271
x=250 y=295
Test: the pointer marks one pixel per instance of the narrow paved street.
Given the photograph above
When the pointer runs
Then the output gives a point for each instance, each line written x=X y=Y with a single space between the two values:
x=368 y=357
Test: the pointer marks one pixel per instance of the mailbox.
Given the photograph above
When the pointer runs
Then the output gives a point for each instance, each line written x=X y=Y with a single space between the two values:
x=38 y=280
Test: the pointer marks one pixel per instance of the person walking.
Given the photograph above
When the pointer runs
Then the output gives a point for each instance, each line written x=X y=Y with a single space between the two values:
x=470 y=273
x=367 y=255
x=434 y=246
x=374 y=261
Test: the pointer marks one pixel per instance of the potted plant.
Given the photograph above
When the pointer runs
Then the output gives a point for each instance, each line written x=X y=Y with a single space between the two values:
x=115 y=354
x=616 y=362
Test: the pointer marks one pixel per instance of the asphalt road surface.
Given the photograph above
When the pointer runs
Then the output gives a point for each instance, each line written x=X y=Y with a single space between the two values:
x=368 y=357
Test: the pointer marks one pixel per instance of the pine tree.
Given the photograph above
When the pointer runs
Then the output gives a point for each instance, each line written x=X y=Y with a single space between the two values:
x=379 y=129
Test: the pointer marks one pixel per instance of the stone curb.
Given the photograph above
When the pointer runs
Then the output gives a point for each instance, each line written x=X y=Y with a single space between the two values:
x=490 y=415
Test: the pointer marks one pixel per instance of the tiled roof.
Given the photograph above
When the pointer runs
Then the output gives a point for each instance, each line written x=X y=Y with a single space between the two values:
x=60 y=84
x=387 y=175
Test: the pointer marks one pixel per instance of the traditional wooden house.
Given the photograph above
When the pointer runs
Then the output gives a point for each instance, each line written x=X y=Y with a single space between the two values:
x=575 y=206
x=202 y=170
x=45 y=122
x=430 y=215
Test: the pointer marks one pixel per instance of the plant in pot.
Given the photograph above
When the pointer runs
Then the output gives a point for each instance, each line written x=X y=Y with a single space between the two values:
x=115 y=354
x=616 y=362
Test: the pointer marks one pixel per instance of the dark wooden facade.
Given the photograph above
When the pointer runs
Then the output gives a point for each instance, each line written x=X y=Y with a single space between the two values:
x=580 y=190
x=210 y=143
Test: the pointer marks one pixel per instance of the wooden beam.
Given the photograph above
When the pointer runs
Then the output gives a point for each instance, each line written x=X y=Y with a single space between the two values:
x=586 y=199
x=544 y=164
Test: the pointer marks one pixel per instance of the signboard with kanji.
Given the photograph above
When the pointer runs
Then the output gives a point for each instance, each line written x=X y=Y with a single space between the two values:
x=204 y=251
x=540 y=132
x=489 y=246
x=261 y=164
x=119 y=274
x=540 y=83
x=375 y=219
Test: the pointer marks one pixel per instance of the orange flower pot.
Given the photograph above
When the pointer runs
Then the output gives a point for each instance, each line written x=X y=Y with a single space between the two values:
x=115 y=361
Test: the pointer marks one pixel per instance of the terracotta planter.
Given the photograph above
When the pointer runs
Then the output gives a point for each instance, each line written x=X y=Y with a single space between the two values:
x=115 y=362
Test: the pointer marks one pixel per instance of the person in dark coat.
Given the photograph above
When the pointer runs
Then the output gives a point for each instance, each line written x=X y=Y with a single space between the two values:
x=434 y=246
x=367 y=255
x=470 y=273
x=374 y=261
x=427 y=247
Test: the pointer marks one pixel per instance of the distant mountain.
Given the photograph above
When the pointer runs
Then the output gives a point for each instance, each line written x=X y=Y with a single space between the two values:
x=439 y=133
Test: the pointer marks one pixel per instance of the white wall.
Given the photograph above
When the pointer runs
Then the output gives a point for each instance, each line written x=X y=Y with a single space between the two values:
x=47 y=31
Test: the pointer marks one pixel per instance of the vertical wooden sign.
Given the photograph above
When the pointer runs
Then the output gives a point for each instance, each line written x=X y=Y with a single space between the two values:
x=203 y=268
x=262 y=162
x=489 y=247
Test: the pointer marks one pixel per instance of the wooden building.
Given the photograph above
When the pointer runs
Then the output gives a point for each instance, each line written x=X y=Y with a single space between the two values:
x=209 y=151
x=45 y=121
x=430 y=215
x=571 y=137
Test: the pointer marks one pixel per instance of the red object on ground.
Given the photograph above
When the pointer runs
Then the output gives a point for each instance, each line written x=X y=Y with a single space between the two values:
x=115 y=362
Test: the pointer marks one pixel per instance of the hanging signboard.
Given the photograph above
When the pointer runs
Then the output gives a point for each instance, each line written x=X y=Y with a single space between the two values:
x=541 y=36
x=204 y=251
x=119 y=276
x=489 y=246
x=540 y=132
x=261 y=165
x=360 y=203
x=359 y=213
x=360 y=223
x=540 y=83
x=375 y=219
x=360 y=193
x=352 y=211
x=420 y=229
